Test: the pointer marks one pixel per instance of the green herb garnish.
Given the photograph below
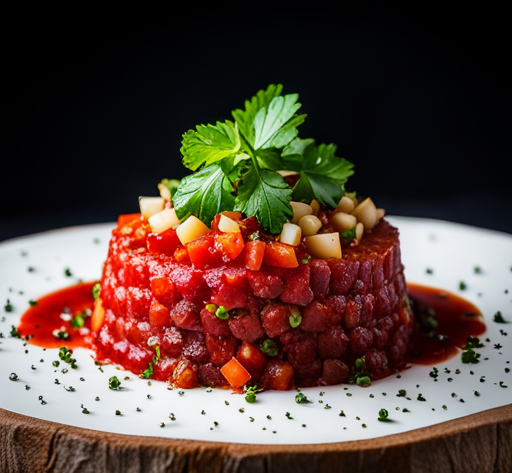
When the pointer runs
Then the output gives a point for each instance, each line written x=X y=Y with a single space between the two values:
x=77 y=321
x=250 y=393
x=269 y=347
x=301 y=398
x=498 y=318
x=14 y=332
x=237 y=164
x=222 y=313
x=295 y=318
x=383 y=415
x=114 y=383
x=148 y=372
x=96 y=291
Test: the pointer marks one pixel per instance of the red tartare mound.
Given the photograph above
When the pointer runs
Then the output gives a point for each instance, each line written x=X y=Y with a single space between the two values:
x=287 y=327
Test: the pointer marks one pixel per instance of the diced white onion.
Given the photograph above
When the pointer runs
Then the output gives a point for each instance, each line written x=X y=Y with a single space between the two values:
x=310 y=225
x=165 y=193
x=191 y=229
x=342 y=221
x=291 y=234
x=150 y=206
x=315 y=206
x=163 y=220
x=366 y=213
x=324 y=245
x=228 y=225
x=346 y=204
x=299 y=210
x=359 y=232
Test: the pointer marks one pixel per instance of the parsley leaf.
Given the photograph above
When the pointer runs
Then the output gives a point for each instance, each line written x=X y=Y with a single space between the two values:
x=322 y=174
x=209 y=144
x=266 y=195
x=245 y=118
x=204 y=194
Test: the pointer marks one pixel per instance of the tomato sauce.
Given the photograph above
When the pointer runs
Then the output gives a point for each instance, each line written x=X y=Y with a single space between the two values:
x=456 y=319
x=54 y=313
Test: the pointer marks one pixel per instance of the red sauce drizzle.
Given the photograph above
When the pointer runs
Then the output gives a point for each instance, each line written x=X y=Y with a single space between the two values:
x=457 y=319
x=42 y=319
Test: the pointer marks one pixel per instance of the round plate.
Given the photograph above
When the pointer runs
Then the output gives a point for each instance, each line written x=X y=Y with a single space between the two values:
x=435 y=253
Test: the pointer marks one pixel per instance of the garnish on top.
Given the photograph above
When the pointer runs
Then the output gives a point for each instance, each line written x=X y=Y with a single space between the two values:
x=240 y=165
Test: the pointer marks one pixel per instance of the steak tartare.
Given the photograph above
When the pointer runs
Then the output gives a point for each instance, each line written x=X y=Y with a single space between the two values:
x=258 y=270
x=162 y=311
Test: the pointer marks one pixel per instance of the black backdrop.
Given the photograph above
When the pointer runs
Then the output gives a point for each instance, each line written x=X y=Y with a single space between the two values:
x=95 y=104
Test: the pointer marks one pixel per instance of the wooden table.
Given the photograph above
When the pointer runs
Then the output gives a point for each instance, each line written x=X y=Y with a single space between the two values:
x=478 y=443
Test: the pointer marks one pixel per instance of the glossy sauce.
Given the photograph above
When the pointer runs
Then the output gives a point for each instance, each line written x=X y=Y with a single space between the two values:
x=457 y=319
x=42 y=319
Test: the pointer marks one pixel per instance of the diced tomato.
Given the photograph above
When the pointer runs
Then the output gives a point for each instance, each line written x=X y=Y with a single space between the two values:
x=126 y=219
x=254 y=253
x=235 y=373
x=232 y=215
x=203 y=252
x=159 y=315
x=231 y=243
x=185 y=375
x=181 y=255
x=280 y=254
x=165 y=291
x=163 y=243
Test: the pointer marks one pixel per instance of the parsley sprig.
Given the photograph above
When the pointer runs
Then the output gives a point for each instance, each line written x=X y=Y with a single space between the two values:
x=237 y=163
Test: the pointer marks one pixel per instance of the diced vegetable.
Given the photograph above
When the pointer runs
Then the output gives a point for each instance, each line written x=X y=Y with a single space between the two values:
x=315 y=206
x=291 y=234
x=310 y=225
x=231 y=243
x=228 y=225
x=342 y=221
x=359 y=231
x=346 y=205
x=236 y=375
x=98 y=315
x=126 y=219
x=151 y=205
x=203 y=252
x=299 y=210
x=366 y=212
x=164 y=243
x=163 y=220
x=191 y=229
x=280 y=254
x=325 y=245
x=254 y=253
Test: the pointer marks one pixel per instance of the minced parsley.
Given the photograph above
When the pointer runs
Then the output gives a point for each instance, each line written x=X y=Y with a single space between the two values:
x=114 y=383
x=269 y=347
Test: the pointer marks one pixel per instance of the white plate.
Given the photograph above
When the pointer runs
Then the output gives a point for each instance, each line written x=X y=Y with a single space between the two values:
x=33 y=266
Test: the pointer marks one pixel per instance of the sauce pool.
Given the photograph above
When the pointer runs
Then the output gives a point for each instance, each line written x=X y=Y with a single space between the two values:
x=49 y=321
x=446 y=321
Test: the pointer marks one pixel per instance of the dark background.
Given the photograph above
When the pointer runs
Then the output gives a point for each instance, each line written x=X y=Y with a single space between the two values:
x=94 y=104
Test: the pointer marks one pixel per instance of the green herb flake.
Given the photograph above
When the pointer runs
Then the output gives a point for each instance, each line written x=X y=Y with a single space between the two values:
x=222 y=313
x=14 y=332
x=300 y=398
x=498 y=318
x=8 y=307
x=96 y=289
x=114 y=383
x=295 y=317
x=77 y=322
x=269 y=347
x=32 y=303
x=383 y=415
x=148 y=372
x=250 y=393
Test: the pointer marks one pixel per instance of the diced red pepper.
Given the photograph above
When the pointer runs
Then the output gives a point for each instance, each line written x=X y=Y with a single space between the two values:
x=164 y=243
x=203 y=252
x=235 y=373
x=254 y=253
x=181 y=255
x=126 y=219
x=165 y=291
x=281 y=255
x=159 y=315
x=231 y=243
